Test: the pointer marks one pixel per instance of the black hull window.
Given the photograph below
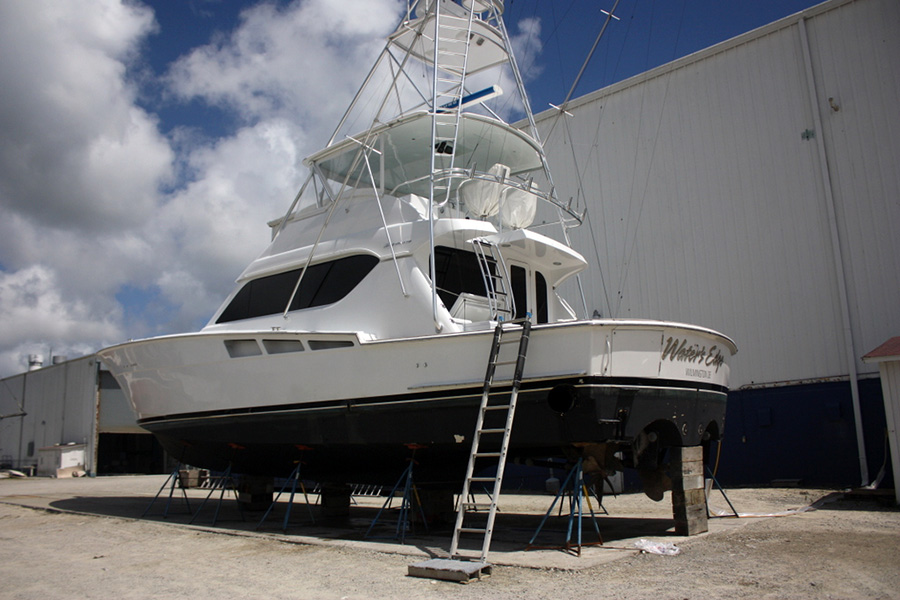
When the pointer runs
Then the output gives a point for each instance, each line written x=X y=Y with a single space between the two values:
x=324 y=283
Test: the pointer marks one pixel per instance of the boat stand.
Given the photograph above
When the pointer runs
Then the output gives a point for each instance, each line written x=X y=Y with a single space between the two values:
x=292 y=480
x=221 y=483
x=576 y=490
x=712 y=477
x=170 y=482
x=410 y=497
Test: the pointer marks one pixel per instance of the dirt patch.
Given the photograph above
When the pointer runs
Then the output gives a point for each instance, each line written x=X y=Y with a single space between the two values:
x=844 y=549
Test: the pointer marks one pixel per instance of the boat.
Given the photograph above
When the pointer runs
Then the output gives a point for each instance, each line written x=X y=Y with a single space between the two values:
x=362 y=334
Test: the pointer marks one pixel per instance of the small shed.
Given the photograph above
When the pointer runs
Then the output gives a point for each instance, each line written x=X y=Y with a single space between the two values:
x=887 y=356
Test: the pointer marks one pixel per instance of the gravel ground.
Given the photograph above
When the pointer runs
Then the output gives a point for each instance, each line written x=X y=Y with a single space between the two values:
x=847 y=548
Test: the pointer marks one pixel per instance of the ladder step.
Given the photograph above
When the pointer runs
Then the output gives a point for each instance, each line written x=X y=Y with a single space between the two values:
x=482 y=479
x=476 y=506
x=488 y=454
x=472 y=530
x=491 y=430
x=497 y=407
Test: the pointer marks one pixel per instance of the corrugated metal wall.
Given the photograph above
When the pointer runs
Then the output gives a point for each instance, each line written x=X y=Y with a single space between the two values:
x=12 y=394
x=60 y=403
x=706 y=193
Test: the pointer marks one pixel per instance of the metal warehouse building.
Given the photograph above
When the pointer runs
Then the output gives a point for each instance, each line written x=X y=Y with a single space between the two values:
x=75 y=411
x=754 y=188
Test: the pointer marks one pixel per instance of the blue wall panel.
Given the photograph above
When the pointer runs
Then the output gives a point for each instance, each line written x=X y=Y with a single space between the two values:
x=801 y=432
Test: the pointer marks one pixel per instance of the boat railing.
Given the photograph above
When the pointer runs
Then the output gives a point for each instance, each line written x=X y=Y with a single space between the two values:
x=452 y=178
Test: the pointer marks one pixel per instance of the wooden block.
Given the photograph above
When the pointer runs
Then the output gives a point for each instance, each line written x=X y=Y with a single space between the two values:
x=694 y=467
x=450 y=570
x=688 y=497
x=683 y=512
x=692 y=482
x=688 y=454
x=690 y=520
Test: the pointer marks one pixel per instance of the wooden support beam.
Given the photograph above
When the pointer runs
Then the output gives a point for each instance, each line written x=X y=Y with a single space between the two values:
x=688 y=495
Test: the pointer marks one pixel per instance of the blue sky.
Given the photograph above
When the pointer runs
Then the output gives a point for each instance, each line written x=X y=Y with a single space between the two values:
x=647 y=34
x=144 y=145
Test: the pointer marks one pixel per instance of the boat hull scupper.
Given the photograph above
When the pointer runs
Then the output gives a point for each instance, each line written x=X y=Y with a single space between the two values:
x=351 y=407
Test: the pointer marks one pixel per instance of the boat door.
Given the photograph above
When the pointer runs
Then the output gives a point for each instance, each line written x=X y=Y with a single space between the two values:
x=530 y=291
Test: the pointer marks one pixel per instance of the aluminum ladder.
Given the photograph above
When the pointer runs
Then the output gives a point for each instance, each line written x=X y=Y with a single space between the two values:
x=451 y=55
x=491 y=440
x=496 y=280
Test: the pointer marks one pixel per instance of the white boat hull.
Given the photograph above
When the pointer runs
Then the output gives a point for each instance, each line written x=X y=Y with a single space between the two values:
x=357 y=404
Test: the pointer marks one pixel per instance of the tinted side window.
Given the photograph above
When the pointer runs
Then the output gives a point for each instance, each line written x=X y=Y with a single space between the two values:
x=540 y=297
x=457 y=272
x=325 y=283
x=520 y=290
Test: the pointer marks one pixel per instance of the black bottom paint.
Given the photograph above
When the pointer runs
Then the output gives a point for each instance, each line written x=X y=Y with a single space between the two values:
x=371 y=440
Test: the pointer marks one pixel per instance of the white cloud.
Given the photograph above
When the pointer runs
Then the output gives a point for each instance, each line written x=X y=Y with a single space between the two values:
x=36 y=316
x=302 y=61
x=528 y=47
x=217 y=224
x=83 y=166
x=75 y=151
x=80 y=167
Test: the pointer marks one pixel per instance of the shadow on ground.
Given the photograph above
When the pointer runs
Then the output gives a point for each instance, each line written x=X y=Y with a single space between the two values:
x=513 y=531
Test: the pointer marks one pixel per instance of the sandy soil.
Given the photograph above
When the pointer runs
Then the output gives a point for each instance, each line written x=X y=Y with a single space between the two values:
x=847 y=548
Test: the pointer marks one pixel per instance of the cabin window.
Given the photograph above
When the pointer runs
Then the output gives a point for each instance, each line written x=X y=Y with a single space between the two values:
x=242 y=348
x=324 y=283
x=540 y=298
x=282 y=346
x=520 y=289
x=457 y=273
x=329 y=344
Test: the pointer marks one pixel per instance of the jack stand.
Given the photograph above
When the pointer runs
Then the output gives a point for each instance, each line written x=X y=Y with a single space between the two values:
x=293 y=480
x=173 y=479
x=575 y=488
x=724 y=495
x=410 y=496
x=221 y=483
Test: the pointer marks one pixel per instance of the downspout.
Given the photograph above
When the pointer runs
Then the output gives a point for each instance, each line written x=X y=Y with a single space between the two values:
x=95 y=425
x=836 y=252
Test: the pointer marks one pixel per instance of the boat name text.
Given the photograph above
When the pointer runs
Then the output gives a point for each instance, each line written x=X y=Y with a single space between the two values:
x=701 y=373
x=679 y=350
